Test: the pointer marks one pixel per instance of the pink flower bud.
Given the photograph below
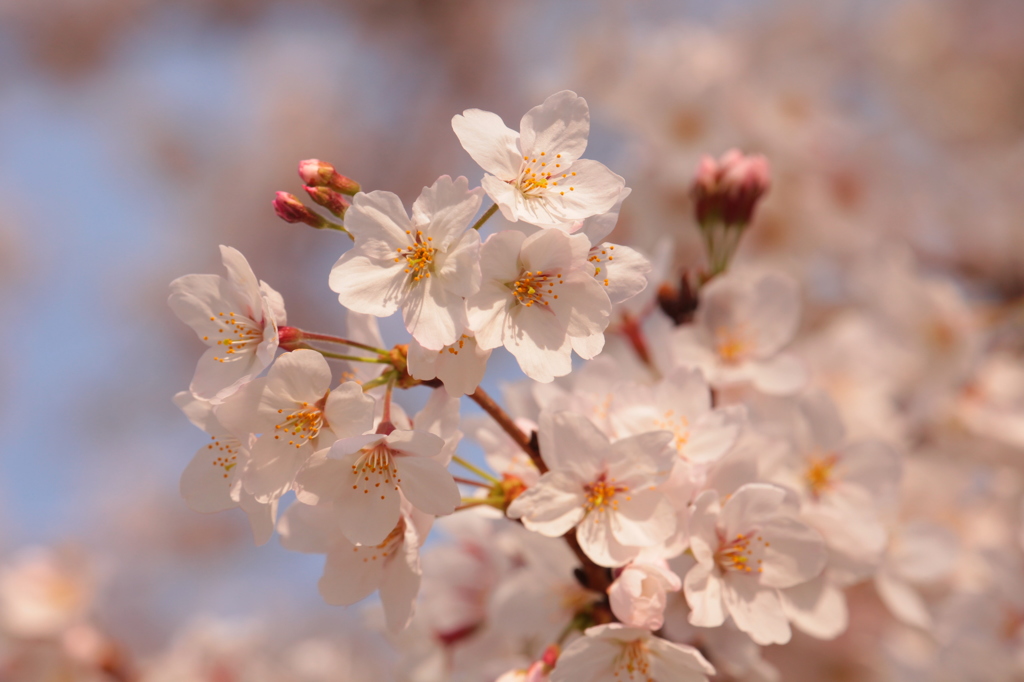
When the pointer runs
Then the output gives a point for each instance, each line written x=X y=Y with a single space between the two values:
x=727 y=190
x=291 y=210
x=329 y=199
x=317 y=173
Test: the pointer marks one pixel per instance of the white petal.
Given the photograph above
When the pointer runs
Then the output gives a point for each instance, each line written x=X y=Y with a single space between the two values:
x=560 y=125
x=399 y=586
x=817 y=607
x=703 y=590
x=781 y=375
x=756 y=610
x=433 y=315
x=644 y=518
x=796 y=552
x=551 y=506
x=369 y=286
x=348 y=410
x=347 y=578
x=445 y=209
x=296 y=377
x=598 y=542
x=493 y=145
x=427 y=485
x=378 y=221
x=593 y=190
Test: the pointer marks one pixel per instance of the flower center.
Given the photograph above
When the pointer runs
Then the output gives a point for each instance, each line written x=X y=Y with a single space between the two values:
x=386 y=548
x=534 y=287
x=601 y=494
x=633 y=662
x=374 y=469
x=598 y=255
x=302 y=425
x=228 y=447
x=741 y=554
x=419 y=256
x=819 y=474
x=536 y=173
x=677 y=424
x=731 y=345
x=236 y=333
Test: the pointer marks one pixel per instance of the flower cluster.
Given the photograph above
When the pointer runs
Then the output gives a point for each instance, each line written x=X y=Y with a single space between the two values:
x=661 y=513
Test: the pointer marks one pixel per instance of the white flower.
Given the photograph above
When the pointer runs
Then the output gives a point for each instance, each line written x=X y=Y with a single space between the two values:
x=606 y=489
x=43 y=591
x=460 y=366
x=680 y=403
x=616 y=653
x=537 y=175
x=352 y=571
x=296 y=414
x=366 y=477
x=237 y=316
x=212 y=481
x=640 y=592
x=746 y=549
x=426 y=265
x=740 y=328
x=536 y=298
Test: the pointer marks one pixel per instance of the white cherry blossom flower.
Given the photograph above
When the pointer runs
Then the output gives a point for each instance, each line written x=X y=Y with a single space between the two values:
x=212 y=481
x=236 y=316
x=353 y=571
x=426 y=265
x=537 y=298
x=367 y=477
x=44 y=592
x=640 y=592
x=460 y=366
x=739 y=330
x=747 y=549
x=537 y=175
x=295 y=413
x=616 y=653
x=605 y=490
x=680 y=403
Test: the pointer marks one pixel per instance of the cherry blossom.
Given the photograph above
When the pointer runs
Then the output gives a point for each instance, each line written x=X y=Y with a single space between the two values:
x=366 y=477
x=237 y=317
x=537 y=175
x=354 y=571
x=460 y=366
x=739 y=330
x=425 y=265
x=639 y=593
x=746 y=549
x=536 y=298
x=606 y=490
x=212 y=481
x=295 y=413
x=616 y=653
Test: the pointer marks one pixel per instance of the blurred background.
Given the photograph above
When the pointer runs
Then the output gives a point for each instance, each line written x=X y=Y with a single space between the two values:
x=137 y=135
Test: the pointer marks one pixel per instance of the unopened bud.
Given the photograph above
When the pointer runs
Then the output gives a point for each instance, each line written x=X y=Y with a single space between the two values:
x=727 y=190
x=329 y=199
x=291 y=210
x=317 y=173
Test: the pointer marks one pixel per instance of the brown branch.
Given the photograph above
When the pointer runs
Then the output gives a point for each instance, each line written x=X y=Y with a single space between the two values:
x=508 y=426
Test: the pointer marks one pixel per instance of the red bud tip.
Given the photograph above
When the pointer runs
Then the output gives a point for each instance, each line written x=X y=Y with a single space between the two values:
x=329 y=199
x=291 y=210
x=550 y=656
x=727 y=190
x=317 y=173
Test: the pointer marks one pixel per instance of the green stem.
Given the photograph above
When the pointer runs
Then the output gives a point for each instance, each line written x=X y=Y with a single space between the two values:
x=483 y=219
x=379 y=381
x=339 y=356
x=475 y=469
x=331 y=225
